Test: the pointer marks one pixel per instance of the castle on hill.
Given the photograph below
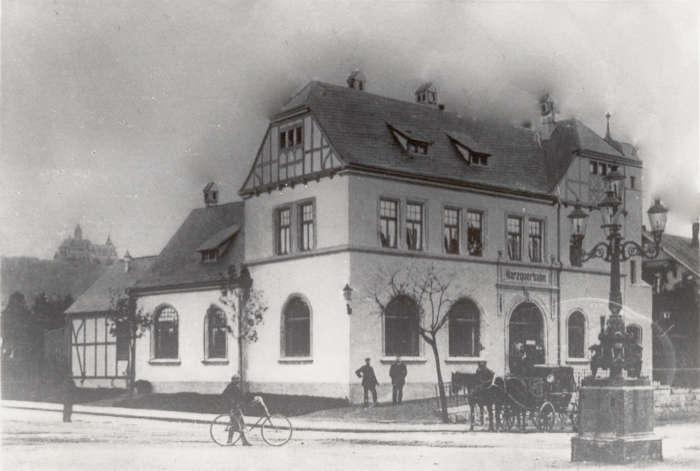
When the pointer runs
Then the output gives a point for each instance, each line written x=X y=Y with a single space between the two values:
x=78 y=249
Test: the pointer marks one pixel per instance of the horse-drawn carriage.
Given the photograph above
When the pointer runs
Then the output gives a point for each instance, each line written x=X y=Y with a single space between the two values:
x=543 y=392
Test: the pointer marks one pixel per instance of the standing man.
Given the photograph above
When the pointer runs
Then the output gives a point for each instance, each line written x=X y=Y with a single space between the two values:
x=68 y=390
x=235 y=398
x=369 y=382
x=398 y=374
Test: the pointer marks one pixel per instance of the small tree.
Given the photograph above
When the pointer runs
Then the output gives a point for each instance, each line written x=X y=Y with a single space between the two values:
x=430 y=287
x=49 y=311
x=246 y=307
x=128 y=320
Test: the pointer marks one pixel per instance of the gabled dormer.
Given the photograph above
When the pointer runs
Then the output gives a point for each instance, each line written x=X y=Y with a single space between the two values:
x=357 y=81
x=412 y=141
x=211 y=194
x=427 y=94
x=469 y=149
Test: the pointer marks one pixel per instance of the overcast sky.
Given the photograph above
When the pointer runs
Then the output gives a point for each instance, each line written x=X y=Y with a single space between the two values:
x=116 y=114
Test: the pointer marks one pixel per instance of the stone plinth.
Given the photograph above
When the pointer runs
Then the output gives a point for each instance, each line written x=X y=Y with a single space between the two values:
x=617 y=422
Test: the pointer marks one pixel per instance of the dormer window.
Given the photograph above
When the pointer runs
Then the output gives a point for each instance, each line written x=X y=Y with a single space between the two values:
x=427 y=94
x=410 y=139
x=417 y=147
x=217 y=245
x=478 y=159
x=291 y=137
x=209 y=255
x=466 y=147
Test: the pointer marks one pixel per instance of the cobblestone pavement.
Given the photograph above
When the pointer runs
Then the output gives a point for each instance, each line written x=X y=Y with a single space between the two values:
x=38 y=440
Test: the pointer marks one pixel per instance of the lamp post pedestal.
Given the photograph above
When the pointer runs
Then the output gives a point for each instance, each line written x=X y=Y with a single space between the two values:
x=617 y=413
x=617 y=422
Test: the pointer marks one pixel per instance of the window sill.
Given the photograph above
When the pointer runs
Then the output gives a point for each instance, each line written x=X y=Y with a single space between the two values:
x=579 y=361
x=215 y=361
x=295 y=360
x=407 y=360
x=164 y=361
x=450 y=360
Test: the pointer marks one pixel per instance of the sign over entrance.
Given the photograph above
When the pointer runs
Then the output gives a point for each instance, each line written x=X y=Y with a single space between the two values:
x=526 y=276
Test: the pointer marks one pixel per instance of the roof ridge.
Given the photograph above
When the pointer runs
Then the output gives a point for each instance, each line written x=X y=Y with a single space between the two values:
x=218 y=206
x=141 y=257
x=384 y=97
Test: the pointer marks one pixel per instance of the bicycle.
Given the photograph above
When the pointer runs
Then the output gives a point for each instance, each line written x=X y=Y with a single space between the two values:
x=276 y=429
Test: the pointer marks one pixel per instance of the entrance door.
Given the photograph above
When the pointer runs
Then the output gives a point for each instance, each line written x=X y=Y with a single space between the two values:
x=526 y=338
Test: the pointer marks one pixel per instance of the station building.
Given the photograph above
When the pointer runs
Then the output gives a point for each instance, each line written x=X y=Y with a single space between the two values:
x=346 y=183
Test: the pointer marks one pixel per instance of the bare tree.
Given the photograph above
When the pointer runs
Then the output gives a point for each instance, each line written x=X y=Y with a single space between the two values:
x=246 y=307
x=430 y=287
x=128 y=320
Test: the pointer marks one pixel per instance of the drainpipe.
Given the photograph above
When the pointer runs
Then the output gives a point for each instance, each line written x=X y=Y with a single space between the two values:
x=559 y=269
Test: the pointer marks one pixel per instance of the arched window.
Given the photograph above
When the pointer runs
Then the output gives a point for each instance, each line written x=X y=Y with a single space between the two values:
x=215 y=333
x=463 y=328
x=297 y=328
x=165 y=333
x=636 y=332
x=400 y=335
x=577 y=335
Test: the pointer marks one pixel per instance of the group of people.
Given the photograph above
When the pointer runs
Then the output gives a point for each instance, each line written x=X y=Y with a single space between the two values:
x=397 y=373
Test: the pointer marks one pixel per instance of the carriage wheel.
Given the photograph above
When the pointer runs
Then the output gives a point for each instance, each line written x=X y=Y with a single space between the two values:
x=545 y=418
x=507 y=417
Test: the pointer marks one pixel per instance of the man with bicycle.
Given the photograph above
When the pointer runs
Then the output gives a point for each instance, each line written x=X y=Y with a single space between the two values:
x=235 y=398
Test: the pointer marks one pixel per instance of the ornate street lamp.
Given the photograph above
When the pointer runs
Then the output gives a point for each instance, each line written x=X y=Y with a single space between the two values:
x=617 y=415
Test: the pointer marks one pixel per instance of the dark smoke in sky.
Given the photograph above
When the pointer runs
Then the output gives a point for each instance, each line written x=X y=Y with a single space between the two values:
x=116 y=115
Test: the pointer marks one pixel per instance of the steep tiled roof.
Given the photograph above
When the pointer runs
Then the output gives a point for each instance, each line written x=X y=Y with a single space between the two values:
x=180 y=264
x=681 y=249
x=355 y=123
x=97 y=298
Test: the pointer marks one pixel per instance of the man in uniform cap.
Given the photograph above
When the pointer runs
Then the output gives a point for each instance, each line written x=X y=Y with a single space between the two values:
x=369 y=381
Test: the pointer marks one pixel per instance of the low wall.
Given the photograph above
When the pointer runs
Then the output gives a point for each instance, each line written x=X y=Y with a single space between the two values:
x=676 y=404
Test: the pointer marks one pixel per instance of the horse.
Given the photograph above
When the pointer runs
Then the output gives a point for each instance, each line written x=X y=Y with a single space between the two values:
x=478 y=396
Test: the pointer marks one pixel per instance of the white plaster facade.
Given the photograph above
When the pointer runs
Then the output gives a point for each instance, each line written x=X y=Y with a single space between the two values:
x=191 y=371
x=346 y=250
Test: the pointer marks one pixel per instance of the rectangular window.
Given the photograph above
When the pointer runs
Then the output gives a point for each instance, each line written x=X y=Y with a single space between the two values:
x=122 y=335
x=292 y=137
x=284 y=231
x=414 y=226
x=535 y=242
x=388 y=222
x=599 y=168
x=515 y=233
x=475 y=233
x=632 y=182
x=633 y=272
x=306 y=226
x=209 y=255
x=450 y=231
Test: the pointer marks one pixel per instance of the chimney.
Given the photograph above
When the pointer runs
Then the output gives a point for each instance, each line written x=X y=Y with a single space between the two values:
x=356 y=80
x=211 y=194
x=427 y=94
x=127 y=262
x=696 y=228
x=549 y=117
